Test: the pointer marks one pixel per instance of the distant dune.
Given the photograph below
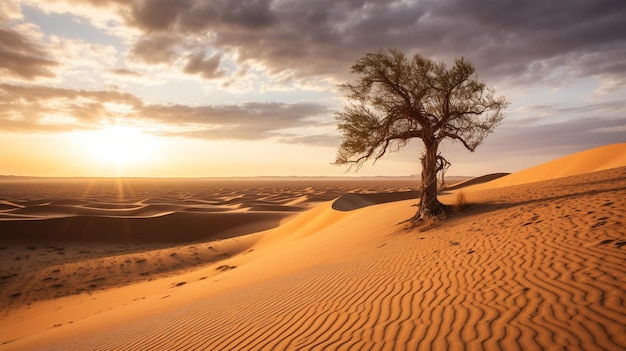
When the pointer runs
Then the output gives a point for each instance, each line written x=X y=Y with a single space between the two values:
x=162 y=210
x=173 y=227
x=536 y=261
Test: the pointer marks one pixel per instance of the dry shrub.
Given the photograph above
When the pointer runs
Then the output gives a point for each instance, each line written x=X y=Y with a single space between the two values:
x=461 y=201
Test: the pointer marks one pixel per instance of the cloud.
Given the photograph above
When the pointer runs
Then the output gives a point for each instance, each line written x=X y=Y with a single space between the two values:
x=10 y=10
x=323 y=37
x=326 y=139
x=155 y=14
x=81 y=60
x=248 y=121
x=156 y=48
x=22 y=58
x=245 y=16
x=27 y=109
x=584 y=127
x=573 y=51
x=27 y=54
x=38 y=109
x=520 y=42
x=207 y=68
x=124 y=72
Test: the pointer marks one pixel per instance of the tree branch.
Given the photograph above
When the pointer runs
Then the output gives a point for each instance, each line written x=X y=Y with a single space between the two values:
x=457 y=137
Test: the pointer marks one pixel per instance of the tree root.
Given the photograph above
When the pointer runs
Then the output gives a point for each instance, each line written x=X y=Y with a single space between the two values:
x=424 y=222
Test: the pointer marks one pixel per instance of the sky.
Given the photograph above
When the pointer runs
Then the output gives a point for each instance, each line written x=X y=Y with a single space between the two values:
x=197 y=88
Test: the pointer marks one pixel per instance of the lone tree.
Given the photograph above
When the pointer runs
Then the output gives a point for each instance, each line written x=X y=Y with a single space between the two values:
x=396 y=99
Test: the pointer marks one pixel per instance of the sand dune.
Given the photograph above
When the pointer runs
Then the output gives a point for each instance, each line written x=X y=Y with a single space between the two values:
x=351 y=201
x=172 y=227
x=53 y=230
x=598 y=159
x=533 y=266
x=130 y=210
x=475 y=181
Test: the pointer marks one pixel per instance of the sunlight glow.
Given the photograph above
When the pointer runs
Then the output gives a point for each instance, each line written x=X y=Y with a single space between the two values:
x=121 y=145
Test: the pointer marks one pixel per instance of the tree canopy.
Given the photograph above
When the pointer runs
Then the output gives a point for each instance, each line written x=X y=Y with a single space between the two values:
x=395 y=99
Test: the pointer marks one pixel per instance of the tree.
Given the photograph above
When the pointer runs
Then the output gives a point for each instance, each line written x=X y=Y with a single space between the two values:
x=396 y=99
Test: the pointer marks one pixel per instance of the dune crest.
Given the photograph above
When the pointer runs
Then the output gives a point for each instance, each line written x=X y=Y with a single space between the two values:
x=475 y=181
x=351 y=201
x=597 y=159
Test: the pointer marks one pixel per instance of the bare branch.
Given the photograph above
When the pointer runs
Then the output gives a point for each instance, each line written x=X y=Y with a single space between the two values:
x=394 y=100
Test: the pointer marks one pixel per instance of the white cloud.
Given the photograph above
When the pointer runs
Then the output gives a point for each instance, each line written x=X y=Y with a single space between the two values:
x=10 y=10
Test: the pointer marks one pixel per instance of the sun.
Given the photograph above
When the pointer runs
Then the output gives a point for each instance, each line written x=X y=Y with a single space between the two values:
x=120 y=145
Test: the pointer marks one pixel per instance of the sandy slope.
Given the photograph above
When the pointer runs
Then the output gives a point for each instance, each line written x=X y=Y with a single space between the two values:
x=598 y=159
x=527 y=267
x=61 y=237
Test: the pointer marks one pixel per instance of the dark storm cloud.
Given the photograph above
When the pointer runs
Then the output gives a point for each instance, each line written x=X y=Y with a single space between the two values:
x=24 y=109
x=240 y=16
x=530 y=39
x=323 y=37
x=22 y=58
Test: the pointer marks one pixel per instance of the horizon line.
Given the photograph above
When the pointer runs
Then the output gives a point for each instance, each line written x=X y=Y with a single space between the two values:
x=416 y=176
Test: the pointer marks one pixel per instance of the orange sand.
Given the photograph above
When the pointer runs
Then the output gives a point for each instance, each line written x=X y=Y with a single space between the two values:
x=528 y=265
x=598 y=159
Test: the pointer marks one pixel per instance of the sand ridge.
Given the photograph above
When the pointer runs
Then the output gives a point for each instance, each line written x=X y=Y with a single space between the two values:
x=593 y=160
x=474 y=181
x=352 y=201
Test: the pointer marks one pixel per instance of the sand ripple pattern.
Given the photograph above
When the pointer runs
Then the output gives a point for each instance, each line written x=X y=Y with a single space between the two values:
x=527 y=271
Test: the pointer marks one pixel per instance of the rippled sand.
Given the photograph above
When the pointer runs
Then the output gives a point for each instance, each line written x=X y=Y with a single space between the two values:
x=525 y=266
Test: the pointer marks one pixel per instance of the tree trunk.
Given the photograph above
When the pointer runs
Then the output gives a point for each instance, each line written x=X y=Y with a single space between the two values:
x=429 y=205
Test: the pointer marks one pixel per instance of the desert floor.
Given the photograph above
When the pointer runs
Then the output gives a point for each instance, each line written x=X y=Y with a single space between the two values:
x=534 y=260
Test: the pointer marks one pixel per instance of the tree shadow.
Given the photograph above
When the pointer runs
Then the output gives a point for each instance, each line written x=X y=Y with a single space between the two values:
x=475 y=209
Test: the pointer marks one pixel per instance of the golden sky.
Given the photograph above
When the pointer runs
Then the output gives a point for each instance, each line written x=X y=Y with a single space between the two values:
x=191 y=88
